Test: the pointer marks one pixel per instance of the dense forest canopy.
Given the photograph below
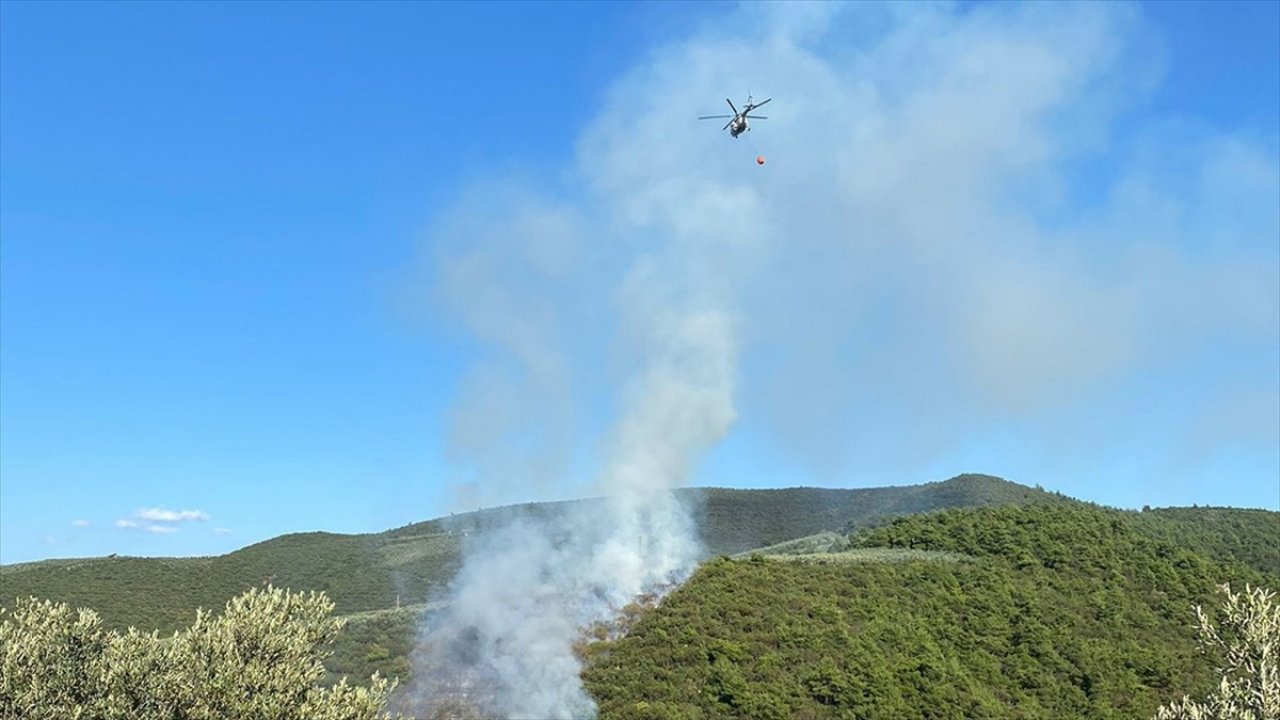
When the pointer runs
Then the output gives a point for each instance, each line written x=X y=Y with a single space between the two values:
x=1036 y=612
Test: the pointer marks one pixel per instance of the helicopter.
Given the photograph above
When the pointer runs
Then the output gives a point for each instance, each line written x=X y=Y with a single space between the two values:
x=738 y=120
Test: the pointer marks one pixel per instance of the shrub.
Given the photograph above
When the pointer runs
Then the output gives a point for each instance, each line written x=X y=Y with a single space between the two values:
x=261 y=659
x=1249 y=644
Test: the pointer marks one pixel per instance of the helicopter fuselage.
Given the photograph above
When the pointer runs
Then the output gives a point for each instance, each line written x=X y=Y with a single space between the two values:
x=738 y=121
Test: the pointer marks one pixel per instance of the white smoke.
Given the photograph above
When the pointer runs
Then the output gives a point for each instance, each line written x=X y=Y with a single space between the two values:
x=504 y=645
x=911 y=266
x=505 y=642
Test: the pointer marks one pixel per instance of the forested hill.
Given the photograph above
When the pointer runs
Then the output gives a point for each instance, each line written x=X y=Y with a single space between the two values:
x=1229 y=534
x=403 y=566
x=1065 y=611
x=969 y=598
x=734 y=521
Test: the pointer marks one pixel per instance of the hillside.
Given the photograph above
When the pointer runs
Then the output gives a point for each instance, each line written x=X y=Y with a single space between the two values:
x=1228 y=534
x=1208 y=539
x=1061 y=611
x=1025 y=604
x=363 y=573
x=734 y=521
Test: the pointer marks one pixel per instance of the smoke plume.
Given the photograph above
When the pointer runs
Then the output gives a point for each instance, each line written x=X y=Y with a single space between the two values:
x=504 y=644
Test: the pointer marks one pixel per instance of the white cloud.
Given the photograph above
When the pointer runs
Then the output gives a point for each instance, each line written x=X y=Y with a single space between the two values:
x=159 y=520
x=80 y=523
x=222 y=531
x=953 y=236
x=932 y=256
x=162 y=515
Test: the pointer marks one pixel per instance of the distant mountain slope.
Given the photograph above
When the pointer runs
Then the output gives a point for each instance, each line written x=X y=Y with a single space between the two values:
x=733 y=521
x=164 y=593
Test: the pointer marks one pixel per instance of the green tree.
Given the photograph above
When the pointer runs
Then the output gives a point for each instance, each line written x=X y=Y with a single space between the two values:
x=1249 y=644
x=262 y=659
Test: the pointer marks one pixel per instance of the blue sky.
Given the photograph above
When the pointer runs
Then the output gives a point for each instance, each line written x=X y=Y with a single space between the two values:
x=292 y=267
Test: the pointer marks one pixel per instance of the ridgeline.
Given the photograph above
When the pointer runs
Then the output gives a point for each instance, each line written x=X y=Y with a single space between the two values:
x=968 y=598
x=404 y=566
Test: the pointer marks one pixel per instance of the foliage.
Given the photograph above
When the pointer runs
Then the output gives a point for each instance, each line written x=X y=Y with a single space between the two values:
x=796 y=551
x=1227 y=534
x=262 y=658
x=1249 y=645
x=378 y=641
x=824 y=542
x=1061 y=610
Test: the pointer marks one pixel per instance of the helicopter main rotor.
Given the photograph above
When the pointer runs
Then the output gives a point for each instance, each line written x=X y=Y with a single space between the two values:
x=743 y=115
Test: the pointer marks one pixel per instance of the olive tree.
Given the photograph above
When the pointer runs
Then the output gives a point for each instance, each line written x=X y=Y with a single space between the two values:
x=261 y=659
x=1249 y=643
